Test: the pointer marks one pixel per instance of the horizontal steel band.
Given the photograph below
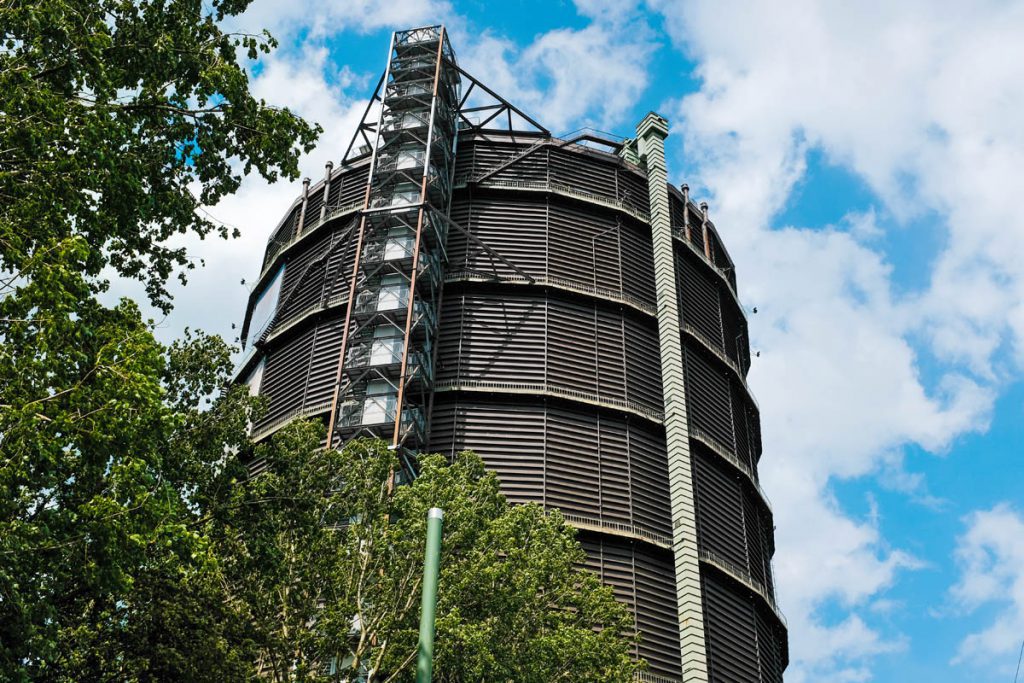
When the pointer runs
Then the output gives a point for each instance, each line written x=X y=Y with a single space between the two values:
x=564 y=191
x=630 y=531
x=553 y=390
x=280 y=423
x=602 y=293
x=307 y=232
x=722 y=452
x=741 y=575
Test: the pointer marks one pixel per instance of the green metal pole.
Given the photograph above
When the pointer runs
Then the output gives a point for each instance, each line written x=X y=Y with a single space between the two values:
x=431 y=568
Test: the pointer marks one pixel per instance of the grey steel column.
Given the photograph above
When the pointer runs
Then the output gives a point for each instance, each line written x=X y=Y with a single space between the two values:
x=651 y=134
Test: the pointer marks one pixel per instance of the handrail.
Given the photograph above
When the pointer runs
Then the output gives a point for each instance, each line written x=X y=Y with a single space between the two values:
x=721 y=451
x=297 y=414
x=741 y=575
x=711 y=346
x=552 y=390
x=645 y=677
x=561 y=189
x=617 y=528
x=714 y=266
x=559 y=283
x=333 y=211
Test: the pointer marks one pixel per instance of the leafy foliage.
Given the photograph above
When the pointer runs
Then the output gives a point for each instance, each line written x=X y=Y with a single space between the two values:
x=120 y=119
x=333 y=569
x=133 y=544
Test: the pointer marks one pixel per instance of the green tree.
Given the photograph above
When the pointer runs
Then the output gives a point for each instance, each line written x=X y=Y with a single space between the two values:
x=327 y=558
x=133 y=544
x=119 y=119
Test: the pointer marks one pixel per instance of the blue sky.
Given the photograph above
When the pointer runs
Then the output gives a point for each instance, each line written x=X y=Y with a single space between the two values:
x=863 y=162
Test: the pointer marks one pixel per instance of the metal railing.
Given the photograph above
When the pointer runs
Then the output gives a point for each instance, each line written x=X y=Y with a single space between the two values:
x=333 y=211
x=741 y=575
x=558 y=283
x=551 y=390
x=617 y=528
x=297 y=414
x=723 y=452
x=645 y=677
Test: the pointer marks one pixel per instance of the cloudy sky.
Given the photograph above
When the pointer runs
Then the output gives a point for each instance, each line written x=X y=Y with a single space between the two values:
x=864 y=162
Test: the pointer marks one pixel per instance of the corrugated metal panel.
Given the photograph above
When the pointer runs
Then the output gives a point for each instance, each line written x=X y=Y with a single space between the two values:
x=643 y=580
x=649 y=479
x=700 y=299
x=719 y=508
x=643 y=376
x=593 y=175
x=572 y=331
x=772 y=649
x=708 y=398
x=575 y=235
x=741 y=426
x=499 y=339
x=732 y=644
x=734 y=327
x=313 y=204
x=598 y=465
x=573 y=480
x=324 y=361
x=458 y=424
x=349 y=186
x=637 y=262
x=285 y=374
x=615 y=493
x=757 y=557
x=515 y=229
x=611 y=354
x=655 y=589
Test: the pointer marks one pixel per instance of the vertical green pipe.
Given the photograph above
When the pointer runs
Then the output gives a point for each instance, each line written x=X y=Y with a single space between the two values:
x=431 y=568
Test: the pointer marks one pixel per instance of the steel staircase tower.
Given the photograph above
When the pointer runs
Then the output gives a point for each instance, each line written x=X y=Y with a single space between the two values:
x=386 y=365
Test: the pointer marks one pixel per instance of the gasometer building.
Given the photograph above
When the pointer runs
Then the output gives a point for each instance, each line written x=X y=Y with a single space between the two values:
x=463 y=279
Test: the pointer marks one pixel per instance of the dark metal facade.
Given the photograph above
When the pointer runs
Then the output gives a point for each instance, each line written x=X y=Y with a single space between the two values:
x=542 y=356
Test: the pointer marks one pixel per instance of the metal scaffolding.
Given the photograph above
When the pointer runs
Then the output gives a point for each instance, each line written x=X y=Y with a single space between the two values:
x=385 y=366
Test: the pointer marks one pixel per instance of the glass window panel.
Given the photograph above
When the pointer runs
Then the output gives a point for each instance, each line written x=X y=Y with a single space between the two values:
x=266 y=306
x=255 y=379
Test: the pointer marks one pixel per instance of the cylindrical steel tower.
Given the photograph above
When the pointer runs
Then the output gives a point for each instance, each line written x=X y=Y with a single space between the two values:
x=555 y=306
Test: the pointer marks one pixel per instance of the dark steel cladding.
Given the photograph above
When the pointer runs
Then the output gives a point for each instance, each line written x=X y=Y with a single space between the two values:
x=547 y=365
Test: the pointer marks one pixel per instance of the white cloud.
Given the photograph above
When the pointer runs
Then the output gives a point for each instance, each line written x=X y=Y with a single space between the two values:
x=284 y=19
x=565 y=78
x=991 y=559
x=922 y=101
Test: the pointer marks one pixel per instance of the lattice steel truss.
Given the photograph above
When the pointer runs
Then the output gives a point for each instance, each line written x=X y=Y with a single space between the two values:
x=385 y=367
